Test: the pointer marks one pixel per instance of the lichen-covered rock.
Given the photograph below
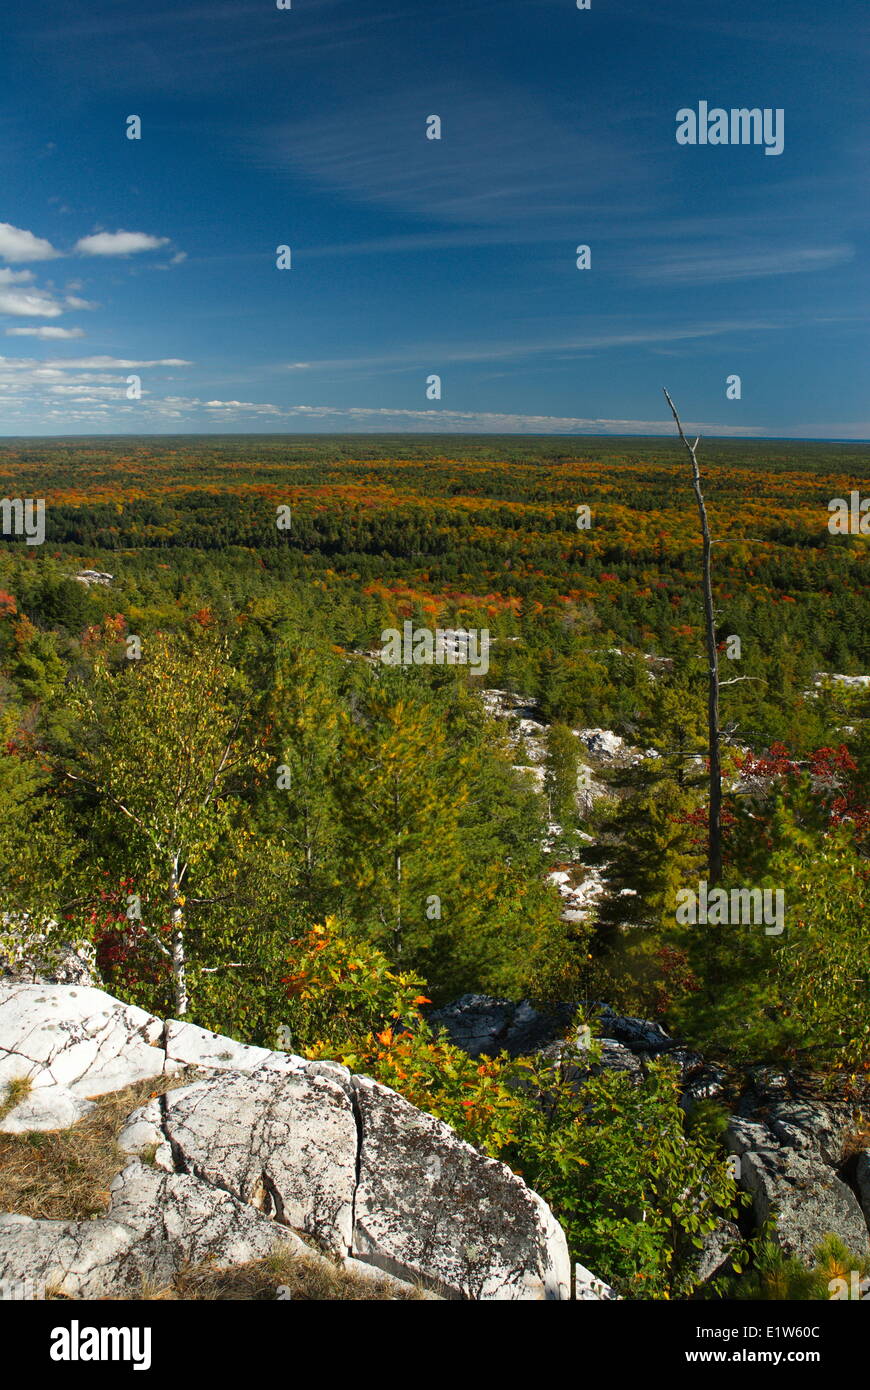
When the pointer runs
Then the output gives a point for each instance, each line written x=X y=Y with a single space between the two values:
x=83 y=1039
x=481 y=1025
x=810 y=1128
x=701 y=1083
x=862 y=1178
x=793 y=1186
x=718 y=1250
x=285 y=1143
x=265 y=1145
x=429 y=1206
x=180 y=1220
x=77 y=1258
x=157 y=1224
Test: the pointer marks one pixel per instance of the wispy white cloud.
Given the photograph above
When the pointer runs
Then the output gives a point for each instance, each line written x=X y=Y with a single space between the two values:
x=246 y=407
x=118 y=243
x=35 y=383
x=504 y=159
x=127 y=363
x=495 y=422
x=433 y=355
x=193 y=411
x=100 y=403
x=45 y=333
x=17 y=245
x=29 y=304
x=695 y=267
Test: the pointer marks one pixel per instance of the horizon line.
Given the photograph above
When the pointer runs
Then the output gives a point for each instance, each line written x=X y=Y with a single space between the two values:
x=436 y=434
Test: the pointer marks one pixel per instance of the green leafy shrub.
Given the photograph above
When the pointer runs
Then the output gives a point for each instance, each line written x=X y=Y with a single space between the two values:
x=635 y=1185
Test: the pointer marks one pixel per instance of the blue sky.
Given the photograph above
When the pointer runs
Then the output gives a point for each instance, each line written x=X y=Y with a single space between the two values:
x=411 y=257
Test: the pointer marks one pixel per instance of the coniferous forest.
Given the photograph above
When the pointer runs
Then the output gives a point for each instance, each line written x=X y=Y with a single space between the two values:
x=209 y=773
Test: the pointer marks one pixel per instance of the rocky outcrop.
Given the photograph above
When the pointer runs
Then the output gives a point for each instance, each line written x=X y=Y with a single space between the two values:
x=717 y=1252
x=89 y=577
x=789 y=1151
x=283 y=1141
x=78 y=1043
x=862 y=1182
x=575 y=1063
x=428 y=1204
x=264 y=1149
x=589 y=1289
x=157 y=1224
x=483 y=1026
x=790 y=1162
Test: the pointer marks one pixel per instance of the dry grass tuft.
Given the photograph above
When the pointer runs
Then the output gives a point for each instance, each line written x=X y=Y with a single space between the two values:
x=285 y=1275
x=64 y=1174
x=17 y=1090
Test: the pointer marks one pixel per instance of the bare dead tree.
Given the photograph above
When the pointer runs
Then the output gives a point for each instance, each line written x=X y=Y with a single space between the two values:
x=714 y=834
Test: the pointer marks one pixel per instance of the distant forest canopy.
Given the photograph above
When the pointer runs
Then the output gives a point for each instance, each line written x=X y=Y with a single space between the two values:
x=473 y=530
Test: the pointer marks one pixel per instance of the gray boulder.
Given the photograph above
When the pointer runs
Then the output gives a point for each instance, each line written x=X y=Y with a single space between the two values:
x=575 y=1063
x=638 y=1034
x=812 y=1129
x=793 y=1185
x=483 y=1026
x=862 y=1179
x=718 y=1251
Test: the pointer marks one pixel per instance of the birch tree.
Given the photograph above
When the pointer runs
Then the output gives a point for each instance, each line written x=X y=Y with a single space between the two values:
x=166 y=749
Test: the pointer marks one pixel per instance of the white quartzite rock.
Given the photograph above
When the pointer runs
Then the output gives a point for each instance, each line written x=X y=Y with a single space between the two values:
x=267 y=1145
x=80 y=1038
x=47 y=1108
x=429 y=1206
x=156 y=1224
x=284 y=1143
x=189 y=1046
x=589 y=1289
x=78 y=1258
